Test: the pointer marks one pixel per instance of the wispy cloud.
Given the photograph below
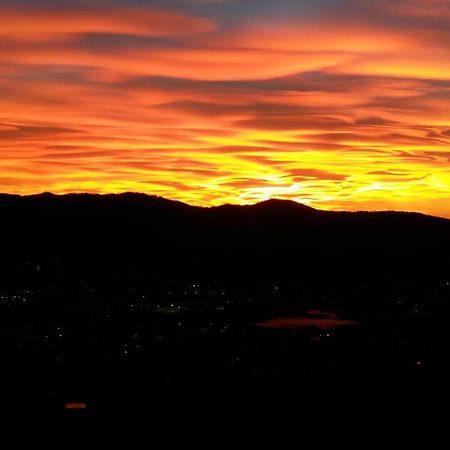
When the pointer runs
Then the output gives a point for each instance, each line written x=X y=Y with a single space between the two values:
x=229 y=101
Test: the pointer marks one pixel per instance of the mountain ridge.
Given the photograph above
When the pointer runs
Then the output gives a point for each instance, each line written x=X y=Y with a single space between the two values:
x=272 y=204
x=152 y=237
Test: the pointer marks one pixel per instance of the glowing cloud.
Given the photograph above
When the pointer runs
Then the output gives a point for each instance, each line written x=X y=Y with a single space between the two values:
x=211 y=101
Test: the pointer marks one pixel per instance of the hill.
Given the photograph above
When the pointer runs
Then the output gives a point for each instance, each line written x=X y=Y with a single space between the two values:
x=103 y=234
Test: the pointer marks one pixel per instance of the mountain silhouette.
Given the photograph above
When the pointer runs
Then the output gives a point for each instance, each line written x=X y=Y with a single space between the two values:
x=104 y=234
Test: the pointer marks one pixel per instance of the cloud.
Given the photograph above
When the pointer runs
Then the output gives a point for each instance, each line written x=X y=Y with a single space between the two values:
x=23 y=22
x=317 y=174
x=20 y=131
x=230 y=102
x=437 y=9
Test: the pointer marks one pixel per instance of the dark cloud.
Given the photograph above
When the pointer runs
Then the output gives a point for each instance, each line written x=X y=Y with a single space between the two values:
x=374 y=121
x=12 y=131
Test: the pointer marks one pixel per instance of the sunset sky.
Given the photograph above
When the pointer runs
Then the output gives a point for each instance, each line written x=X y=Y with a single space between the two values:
x=338 y=104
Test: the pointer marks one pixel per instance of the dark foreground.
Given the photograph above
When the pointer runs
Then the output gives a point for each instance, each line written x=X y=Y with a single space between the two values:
x=131 y=322
x=184 y=368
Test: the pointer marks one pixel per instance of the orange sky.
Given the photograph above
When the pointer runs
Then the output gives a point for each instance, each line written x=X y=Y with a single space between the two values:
x=336 y=104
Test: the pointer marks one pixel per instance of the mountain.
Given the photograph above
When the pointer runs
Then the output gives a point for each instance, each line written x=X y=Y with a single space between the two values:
x=126 y=233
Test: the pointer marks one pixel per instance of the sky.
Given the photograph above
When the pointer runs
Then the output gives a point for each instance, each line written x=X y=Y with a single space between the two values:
x=338 y=104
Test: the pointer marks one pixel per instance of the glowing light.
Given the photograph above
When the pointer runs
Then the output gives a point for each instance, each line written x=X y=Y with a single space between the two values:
x=337 y=112
x=75 y=405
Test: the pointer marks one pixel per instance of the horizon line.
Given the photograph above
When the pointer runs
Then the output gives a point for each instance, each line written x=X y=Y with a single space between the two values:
x=100 y=194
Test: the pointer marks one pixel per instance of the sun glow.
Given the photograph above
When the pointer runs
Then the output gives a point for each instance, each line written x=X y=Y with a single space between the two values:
x=206 y=105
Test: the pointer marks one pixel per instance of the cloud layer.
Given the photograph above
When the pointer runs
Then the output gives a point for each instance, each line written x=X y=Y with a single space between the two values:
x=341 y=105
